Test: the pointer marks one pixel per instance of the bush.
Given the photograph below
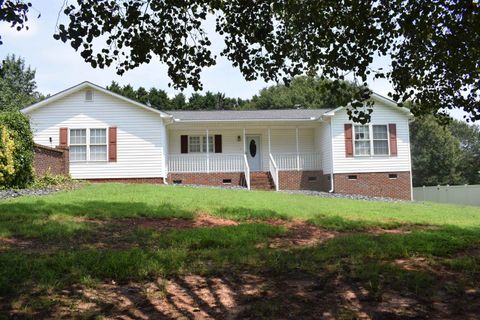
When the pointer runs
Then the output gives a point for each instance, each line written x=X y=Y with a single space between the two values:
x=48 y=180
x=17 y=138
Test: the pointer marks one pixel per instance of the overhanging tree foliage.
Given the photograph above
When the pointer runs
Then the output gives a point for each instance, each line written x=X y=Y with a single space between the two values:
x=433 y=45
x=17 y=84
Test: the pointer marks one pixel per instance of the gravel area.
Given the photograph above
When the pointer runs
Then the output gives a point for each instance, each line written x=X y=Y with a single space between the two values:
x=304 y=192
x=5 y=194
x=341 y=196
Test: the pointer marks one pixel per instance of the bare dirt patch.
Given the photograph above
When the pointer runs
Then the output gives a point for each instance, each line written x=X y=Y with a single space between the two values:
x=300 y=234
x=201 y=221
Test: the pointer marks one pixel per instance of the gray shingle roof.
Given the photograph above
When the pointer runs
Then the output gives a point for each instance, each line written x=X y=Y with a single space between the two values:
x=284 y=114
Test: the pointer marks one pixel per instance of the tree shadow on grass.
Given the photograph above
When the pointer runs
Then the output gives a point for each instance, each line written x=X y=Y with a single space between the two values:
x=354 y=274
x=53 y=221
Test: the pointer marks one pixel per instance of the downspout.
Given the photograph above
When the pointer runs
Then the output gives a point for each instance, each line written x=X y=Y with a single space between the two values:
x=165 y=153
x=332 y=183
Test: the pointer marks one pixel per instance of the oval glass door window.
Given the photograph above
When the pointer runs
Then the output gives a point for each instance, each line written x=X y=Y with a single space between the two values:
x=253 y=148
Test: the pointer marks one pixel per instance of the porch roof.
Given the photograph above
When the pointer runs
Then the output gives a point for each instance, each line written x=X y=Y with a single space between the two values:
x=245 y=115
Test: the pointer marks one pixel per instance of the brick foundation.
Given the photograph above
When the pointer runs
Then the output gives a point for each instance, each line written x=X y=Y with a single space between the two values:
x=158 y=180
x=207 y=179
x=53 y=161
x=377 y=184
x=302 y=180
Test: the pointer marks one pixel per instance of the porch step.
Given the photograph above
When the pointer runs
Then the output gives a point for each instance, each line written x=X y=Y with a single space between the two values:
x=261 y=180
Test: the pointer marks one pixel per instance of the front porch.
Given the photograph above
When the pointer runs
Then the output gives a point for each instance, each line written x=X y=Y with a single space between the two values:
x=238 y=156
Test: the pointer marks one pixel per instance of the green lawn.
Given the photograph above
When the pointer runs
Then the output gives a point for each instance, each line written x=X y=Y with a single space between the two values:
x=75 y=238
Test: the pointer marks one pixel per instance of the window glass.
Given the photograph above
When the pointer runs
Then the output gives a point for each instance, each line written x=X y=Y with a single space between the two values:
x=78 y=153
x=380 y=132
x=362 y=141
x=98 y=153
x=78 y=136
x=362 y=133
x=98 y=136
x=380 y=139
x=194 y=144
x=210 y=144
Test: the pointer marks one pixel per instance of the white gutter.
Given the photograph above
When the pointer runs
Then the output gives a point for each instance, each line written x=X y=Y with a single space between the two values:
x=332 y=183
x=246 y=120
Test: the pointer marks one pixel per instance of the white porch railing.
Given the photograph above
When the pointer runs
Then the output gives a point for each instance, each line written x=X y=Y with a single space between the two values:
x=206 y=163
x=246 y=171
x=274 y=171
x=300 y=161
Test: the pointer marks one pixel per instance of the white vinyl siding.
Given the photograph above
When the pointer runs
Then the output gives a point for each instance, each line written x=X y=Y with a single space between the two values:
x=140 y=134
x=324 y=146
x=382 y=115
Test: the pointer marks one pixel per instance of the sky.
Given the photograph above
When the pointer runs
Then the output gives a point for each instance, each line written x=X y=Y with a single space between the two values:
x=58 y=66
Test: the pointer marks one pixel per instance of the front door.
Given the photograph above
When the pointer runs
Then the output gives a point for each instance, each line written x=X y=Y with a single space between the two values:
x=254 y=156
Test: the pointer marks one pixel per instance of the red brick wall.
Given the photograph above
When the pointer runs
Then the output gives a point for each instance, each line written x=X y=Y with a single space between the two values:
x=299 y=180
x=376 y=184
x=208 y=179
x=54 y=161
x=158 y=180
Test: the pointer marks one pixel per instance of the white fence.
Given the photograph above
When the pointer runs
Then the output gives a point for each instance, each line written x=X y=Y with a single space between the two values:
x=465 y=194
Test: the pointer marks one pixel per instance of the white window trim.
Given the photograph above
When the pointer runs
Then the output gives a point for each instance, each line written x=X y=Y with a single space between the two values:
x=370 y=132
x=88 y=143
x=201 y=144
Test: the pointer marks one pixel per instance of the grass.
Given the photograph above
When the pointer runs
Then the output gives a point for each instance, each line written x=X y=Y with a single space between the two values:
x=63 y=222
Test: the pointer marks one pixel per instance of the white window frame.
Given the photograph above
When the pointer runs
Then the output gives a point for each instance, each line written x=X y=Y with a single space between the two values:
x=201 y=137
x=370 y=132
x=87 y=158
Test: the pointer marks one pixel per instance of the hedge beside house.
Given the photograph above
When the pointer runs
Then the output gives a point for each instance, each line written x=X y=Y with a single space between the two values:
x=17 y=140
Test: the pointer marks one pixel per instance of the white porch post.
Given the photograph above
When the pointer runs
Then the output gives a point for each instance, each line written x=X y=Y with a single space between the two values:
x=244 y=142
x=208 y=155
x=298 y=155
x=269 y=142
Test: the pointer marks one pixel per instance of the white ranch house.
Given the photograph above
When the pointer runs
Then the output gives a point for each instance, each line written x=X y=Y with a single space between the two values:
x=113 y=138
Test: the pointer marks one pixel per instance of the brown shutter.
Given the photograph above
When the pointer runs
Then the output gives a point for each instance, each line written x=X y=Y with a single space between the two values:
x=63 y=140
x=348 y=140
x=392 y=128
x=112 y=144
x=218 y=143
x=184 y=144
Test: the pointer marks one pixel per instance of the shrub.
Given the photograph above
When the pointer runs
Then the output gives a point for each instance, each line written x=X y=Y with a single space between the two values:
x=18 y=142
x=48 y=180
x=7 y=149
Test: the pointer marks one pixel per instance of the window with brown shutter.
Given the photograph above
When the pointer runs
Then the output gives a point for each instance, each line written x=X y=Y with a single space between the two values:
x=112 y=144
x=184 y=144
x=392 y=128
x=218 y=143
x=63 y=139
x=348 y=140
